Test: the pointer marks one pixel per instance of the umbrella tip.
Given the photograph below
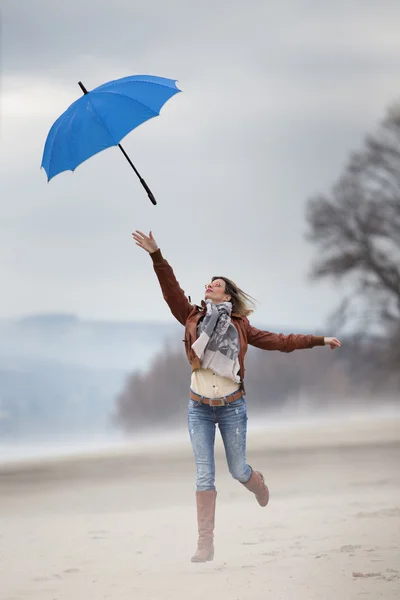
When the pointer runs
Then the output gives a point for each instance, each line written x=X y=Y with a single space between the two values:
x=84 y=90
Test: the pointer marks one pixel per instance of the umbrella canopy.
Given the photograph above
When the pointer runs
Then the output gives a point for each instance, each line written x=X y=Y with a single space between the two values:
x=101 y=118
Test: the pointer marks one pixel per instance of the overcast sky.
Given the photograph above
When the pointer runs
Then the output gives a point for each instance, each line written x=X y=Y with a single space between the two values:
x=276 y=95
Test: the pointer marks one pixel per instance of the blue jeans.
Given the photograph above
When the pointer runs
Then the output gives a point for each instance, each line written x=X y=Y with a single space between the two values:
x=232 y=423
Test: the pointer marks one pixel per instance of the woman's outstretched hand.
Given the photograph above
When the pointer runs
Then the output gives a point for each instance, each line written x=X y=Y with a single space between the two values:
x=147 y=242
x=332 y=342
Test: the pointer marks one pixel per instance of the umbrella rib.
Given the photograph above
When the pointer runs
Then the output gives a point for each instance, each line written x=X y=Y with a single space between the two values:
x=102 y=120
x=129 y=98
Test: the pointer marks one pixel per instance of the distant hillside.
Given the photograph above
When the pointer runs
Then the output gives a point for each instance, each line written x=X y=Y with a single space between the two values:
x=93 y=344
x=59 y=373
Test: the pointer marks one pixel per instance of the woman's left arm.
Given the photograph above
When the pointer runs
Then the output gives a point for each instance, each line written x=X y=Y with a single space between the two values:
x=286 y=343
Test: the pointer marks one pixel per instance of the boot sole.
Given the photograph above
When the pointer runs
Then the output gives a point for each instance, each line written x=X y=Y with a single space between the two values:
x=209 y=558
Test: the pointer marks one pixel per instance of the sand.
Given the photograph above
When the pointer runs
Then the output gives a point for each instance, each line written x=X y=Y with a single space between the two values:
x=122 y=524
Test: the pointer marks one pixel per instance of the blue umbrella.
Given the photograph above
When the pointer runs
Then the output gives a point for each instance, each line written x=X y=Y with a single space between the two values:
x=101 y=118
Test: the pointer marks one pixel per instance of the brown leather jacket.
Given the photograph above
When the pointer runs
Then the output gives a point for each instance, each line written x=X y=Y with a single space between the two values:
x=189 y=315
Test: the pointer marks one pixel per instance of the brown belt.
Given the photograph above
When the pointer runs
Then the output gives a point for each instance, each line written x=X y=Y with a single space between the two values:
x=216 y=401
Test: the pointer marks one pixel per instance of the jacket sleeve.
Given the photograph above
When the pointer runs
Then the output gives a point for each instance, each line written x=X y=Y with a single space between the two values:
x=171 y=290
x=277 y=341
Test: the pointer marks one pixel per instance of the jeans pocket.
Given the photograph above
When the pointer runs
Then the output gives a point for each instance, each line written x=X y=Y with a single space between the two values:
x=238 y=403
x=238 y=407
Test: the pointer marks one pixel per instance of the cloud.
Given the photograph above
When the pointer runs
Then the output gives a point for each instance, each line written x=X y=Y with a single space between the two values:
x=275 y=96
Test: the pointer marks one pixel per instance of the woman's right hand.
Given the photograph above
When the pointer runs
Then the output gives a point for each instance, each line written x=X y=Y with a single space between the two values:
x=147 y=242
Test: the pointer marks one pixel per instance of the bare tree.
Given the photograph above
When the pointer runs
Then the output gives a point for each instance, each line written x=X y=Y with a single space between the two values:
x=356 y=229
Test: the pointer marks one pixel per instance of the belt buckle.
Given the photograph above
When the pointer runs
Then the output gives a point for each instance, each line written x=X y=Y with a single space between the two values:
x=221 y=401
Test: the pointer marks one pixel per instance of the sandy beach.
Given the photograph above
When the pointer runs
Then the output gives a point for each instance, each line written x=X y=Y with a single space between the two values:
x=122 y=524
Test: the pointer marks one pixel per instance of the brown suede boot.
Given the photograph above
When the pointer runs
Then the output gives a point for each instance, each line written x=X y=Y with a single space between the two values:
x=206 y=520
x=257 y=486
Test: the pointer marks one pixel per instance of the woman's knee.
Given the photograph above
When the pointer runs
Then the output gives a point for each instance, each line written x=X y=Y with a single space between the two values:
x=240 y=472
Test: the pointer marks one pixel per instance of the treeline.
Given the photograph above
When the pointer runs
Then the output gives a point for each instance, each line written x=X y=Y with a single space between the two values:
x=304 y=380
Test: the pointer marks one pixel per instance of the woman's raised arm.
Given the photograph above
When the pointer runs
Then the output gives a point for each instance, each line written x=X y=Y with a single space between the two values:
x=171 y=290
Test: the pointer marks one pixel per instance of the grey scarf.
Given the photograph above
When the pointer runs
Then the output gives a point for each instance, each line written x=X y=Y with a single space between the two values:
x=218 y=343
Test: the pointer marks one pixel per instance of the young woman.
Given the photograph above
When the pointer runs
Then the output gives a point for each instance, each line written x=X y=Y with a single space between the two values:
x=217 y=334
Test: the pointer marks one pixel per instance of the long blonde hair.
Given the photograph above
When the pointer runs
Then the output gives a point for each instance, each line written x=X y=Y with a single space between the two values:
x=242 y=303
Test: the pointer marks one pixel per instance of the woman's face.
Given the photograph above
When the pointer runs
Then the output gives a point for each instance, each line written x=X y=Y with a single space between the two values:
x=215 y=291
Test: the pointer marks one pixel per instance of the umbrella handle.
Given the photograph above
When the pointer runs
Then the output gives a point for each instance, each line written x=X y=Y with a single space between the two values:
x=148 y=190
x=142 y=181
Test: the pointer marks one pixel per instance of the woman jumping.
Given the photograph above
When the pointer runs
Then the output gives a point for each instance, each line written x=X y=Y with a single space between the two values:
x=217 y=335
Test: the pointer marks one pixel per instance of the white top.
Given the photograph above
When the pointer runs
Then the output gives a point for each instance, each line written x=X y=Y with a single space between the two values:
x=210 y=385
